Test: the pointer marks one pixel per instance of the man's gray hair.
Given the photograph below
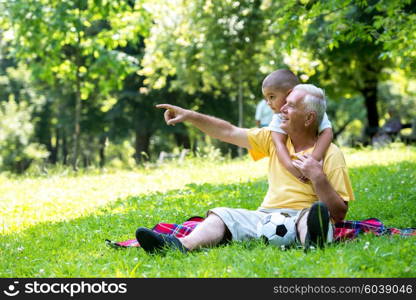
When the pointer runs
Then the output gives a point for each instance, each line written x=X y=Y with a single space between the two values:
x=314 y=100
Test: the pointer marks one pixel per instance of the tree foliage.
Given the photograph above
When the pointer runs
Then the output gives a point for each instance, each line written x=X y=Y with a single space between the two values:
x=209 y=46
x=72 y=46
x=353 y=44
x=88 y=72
x=17 y=149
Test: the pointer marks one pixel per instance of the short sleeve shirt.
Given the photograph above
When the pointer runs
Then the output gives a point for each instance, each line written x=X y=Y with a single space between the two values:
x=285 y=190
x=263 y=113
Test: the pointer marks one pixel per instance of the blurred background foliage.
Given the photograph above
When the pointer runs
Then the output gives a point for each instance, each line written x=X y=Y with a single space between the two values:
x=79 y=78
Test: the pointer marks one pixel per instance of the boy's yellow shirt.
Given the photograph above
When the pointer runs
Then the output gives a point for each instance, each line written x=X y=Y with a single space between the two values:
x=285 y=190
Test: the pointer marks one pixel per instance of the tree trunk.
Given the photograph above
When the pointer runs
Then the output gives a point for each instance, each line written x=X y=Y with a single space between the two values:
x=53 y=158
x=103 y=140
x=142 y=143
x=85 y=160
x=240 y=107
x=64 y=148
x=50 y=149
x=370 y=95
x=182 y=140
x=77 y=127
x=77 y=121
x=45 y=130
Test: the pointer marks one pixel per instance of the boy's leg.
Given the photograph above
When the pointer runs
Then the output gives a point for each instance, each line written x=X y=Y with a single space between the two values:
x=209 y=233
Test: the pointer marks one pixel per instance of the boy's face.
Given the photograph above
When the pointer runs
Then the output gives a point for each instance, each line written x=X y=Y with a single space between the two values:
x=275 y=98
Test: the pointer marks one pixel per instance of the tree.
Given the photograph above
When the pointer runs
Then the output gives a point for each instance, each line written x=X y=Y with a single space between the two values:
x=73 y=45
x=349 y=43
x=209 y=47
x=17 y=149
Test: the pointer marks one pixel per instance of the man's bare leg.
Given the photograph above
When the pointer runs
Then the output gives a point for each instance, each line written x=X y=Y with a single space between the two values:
x=209 y=233
x=302 y=228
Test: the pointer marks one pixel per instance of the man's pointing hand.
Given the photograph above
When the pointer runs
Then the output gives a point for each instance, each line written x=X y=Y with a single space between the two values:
x=174 y=114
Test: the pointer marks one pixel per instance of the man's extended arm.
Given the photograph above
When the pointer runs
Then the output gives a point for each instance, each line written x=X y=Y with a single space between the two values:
x=312 y=169
x=212 y=126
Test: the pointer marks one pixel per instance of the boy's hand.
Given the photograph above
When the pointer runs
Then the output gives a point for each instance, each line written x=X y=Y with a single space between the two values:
x=297 y=173
x=174 y=114
x=303 y=179
x=309 y=167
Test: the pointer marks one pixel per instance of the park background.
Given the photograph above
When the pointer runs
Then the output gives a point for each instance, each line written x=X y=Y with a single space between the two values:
x=81 y=140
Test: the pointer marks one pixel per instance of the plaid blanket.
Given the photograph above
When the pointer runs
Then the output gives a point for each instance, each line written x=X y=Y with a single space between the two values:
x=178 y=230
x=345 y=230
x=348 y=230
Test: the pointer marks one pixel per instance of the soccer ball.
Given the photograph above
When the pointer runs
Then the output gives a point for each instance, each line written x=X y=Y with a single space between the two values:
x=277 y=229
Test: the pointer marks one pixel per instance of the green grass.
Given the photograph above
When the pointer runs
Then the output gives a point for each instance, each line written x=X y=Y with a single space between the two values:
x=55 y=225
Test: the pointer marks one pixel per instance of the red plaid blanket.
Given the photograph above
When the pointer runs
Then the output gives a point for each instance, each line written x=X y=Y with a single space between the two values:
x=179 y=230
x=346 y=230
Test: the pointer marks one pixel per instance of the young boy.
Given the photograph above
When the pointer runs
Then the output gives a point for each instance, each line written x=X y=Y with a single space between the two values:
x=276 y=86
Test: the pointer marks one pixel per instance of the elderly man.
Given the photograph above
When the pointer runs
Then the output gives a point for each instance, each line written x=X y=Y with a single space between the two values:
x=325 y=196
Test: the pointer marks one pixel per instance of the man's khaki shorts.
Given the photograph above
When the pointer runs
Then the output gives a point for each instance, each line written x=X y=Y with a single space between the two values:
x=242 y=223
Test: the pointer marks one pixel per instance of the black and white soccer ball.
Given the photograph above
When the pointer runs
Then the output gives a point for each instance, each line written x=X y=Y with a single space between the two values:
x=277 y=229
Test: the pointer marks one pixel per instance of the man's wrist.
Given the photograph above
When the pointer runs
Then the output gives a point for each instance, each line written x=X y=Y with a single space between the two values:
x=190 y=115
x=319 y=178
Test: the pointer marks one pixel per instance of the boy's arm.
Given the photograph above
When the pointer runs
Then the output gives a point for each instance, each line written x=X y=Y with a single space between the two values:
x=323 y=143
x=214 y=127
x=279 y=140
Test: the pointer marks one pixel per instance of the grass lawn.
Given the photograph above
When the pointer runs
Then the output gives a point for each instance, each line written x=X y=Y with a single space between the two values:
x=55 y=225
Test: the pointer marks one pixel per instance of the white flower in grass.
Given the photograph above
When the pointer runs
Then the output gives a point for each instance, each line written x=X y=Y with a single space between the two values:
x=135 y=259
x=20 y=249
x=41 y=271
x=366 y=245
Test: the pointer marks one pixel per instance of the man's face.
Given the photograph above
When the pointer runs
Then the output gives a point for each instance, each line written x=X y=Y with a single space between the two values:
x=275 y=98
x=293 y=112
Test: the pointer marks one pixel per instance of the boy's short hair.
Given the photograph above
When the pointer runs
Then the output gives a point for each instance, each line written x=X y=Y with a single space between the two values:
x=281 y=79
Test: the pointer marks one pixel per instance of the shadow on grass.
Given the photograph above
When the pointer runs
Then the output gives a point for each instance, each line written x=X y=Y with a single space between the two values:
x=76 y=247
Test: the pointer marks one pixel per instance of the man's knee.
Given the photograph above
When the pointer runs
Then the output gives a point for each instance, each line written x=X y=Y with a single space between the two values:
x=216 y=222
x=215 y=219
